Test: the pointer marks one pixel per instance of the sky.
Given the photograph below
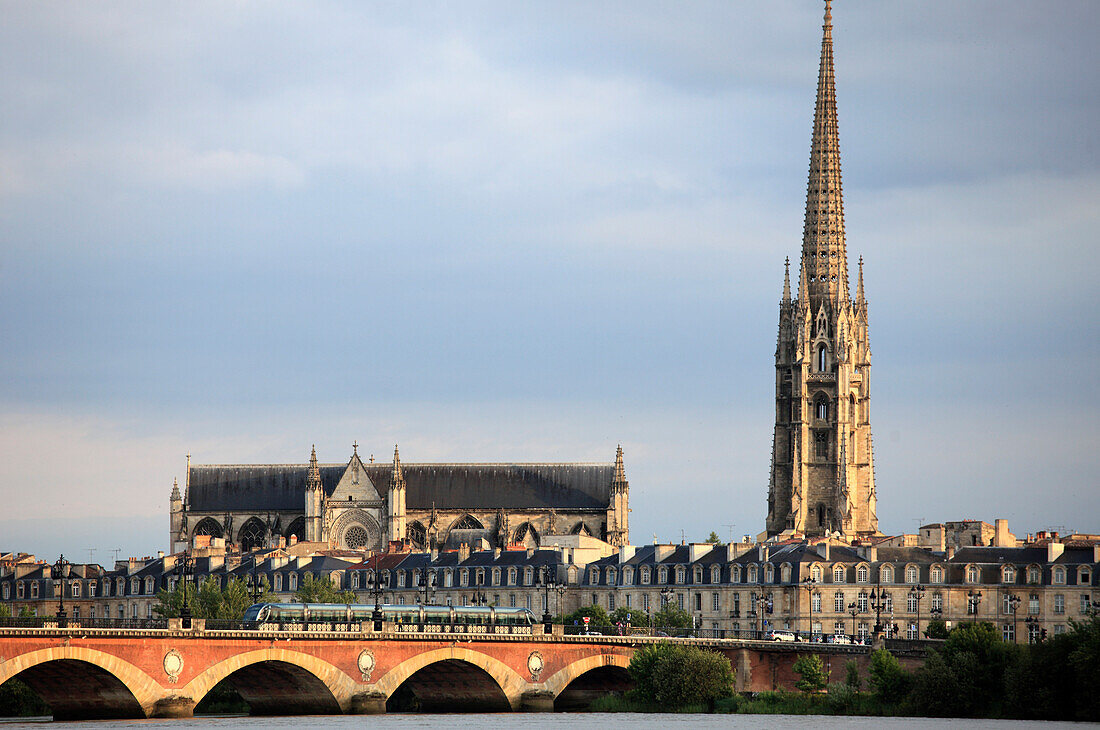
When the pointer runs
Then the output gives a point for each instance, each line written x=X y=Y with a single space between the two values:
x=500 y=231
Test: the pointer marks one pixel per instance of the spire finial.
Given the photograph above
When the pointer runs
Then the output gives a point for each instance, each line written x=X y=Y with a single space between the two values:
x=355 y=448
x=397 y=477
x=175 y=489
x=859 y=282
x=787 y=280
x=824 y=256
x=620 y=470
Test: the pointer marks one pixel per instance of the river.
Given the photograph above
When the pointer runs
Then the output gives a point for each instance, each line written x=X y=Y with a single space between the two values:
x=523 y=721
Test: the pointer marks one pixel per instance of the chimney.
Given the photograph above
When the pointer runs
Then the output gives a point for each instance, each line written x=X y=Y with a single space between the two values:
x=950 y=552
x=293 y=540
x=1001 y=536
x=626 y=552
x=823 y=549
x=160 y=555
x=762 y=553
x=1096 y=553
x=463 y=552
x=1054 y=550
x=496 y=553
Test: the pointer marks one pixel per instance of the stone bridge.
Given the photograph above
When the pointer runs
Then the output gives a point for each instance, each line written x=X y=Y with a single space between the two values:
x=120 y=673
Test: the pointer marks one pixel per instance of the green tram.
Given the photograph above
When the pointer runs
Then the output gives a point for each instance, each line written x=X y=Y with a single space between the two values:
x=403 y=618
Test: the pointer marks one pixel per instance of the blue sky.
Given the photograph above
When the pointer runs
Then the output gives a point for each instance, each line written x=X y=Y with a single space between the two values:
x=529 y=232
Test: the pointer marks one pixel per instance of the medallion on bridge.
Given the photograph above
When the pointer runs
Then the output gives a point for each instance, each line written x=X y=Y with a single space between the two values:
x=173 y=665
x=366 y=663
x=535 y=665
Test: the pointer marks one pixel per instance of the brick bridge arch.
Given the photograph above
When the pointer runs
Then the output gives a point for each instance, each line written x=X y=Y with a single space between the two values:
x=338 y=684
x=144 y=691
x=510 y=682
x=556 y=683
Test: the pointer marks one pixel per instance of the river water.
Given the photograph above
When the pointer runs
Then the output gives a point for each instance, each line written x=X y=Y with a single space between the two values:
x=523 y=721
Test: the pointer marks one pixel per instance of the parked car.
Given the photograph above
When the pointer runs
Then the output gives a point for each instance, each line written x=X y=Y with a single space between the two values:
x=838 y=639
x=779 y=635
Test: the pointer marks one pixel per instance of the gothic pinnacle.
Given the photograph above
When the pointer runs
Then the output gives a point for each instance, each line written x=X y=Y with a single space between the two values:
x=396 y=465
x=787 y=281
x=859 y=282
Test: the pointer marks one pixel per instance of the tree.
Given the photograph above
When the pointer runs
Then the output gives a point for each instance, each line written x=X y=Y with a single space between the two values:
x=811 y=671
x=852 y=678
x=672 y=616
x=597 y=617
x=209 y=600
x=889 y=681
x=713 y=538
x=674 y=676
x=5 y=611
x=631 y=616
x=968 y=676
x=321 y=590
x=936 y=629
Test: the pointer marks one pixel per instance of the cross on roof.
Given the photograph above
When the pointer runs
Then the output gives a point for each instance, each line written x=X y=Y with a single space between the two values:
x=355 y=447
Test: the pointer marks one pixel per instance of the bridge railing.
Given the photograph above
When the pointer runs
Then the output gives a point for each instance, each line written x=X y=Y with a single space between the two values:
x=52 y=622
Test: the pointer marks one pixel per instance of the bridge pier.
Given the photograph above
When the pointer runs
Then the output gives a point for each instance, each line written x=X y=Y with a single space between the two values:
x=174 y=707
x=537 y=700
x=367 y=703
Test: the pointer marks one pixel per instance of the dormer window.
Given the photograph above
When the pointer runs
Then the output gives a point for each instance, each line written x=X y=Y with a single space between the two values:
x=1008 y=574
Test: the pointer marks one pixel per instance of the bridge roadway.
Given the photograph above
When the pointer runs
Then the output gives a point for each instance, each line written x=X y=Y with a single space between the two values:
x=86 y=673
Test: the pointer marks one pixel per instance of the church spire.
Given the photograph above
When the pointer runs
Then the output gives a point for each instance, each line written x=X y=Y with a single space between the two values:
x=787 y=281
x=824 y=257
x=859 y=283
x=396 y=477
x=313 y=481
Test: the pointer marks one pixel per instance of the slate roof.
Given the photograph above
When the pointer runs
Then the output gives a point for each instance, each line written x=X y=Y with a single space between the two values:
x=250 y=487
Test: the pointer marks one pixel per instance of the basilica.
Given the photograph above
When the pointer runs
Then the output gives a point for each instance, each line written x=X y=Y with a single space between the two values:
x=367 y=505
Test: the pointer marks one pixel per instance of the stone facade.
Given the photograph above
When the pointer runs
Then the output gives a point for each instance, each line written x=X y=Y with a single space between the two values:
x=368 y=505
x=822 y=474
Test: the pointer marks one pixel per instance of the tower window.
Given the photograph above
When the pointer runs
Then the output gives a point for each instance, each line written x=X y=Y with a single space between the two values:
x=821 y=359
x=821 y=443
x=821 y=410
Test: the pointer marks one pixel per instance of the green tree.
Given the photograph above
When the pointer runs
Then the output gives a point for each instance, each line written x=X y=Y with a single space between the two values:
x=321 y=590
x=936 y=629
x=598 y=618
x=811 y=671
x=672 y=616
x=674 y=676
x=713 y=538
x=631 y=616
x=967 y=677
x=852 y=678
x=209 y=600
x=5 y=610
x=888 y=680
x=1056 y=678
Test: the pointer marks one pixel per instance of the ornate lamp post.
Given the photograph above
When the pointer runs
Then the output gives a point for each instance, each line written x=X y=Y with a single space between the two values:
x=1013 y=603
x=810 y=584
x=877 y=604
x=376 y=586
x=1033 y=630
x=546 y=578
x=186 y=569
x=254 y=584
x=60 y=571
x=428 y=589
x=973 y=599
x=853 y=610
x=917 y=594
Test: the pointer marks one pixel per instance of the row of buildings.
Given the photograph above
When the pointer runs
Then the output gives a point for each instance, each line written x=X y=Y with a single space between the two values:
x=815 y=586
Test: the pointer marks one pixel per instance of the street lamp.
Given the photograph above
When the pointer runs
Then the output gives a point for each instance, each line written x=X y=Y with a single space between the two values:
x=917 y=594
x=546 y=578
x=186 y=568
x=810 y=584
x=376 y=586
x=973 y=599
x=254 y=584
x=428 y=588
x=59 y=572
x=1033 y=630
x=853 y=610
x=878 y=599
x=1013 y=604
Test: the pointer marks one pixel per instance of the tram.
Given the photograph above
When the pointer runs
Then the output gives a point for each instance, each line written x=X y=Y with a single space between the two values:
x=404 y=618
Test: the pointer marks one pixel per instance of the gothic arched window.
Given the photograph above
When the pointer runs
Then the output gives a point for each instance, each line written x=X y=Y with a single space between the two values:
x=821 y=358
x=208 y=526
x=296 y=528
x=417 y=535
x=469 y=522
x=821 y=409
x=252 y=535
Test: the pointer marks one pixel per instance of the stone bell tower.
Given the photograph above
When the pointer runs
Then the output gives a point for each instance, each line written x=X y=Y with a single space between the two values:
x=822 y=475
